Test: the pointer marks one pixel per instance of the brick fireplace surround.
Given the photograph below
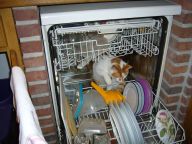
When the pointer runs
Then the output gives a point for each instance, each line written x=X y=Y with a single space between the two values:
x=177 y=81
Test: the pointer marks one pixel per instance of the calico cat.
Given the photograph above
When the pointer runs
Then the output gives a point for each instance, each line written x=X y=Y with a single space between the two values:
x=111 y=71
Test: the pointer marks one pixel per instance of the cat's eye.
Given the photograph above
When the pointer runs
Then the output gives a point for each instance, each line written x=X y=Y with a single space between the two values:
x=119 y=79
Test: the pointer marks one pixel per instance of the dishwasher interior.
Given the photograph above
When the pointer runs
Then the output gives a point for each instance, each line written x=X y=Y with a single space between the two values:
x=76 y=47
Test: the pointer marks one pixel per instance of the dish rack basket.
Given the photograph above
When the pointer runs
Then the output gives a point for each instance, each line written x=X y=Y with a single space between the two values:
x=85 y=42
x=146 y=122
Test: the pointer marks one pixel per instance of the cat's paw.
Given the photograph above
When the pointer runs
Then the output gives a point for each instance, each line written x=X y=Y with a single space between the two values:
x=108 y=81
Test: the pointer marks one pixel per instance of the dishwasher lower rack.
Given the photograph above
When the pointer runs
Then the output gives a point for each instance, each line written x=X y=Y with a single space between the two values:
x=146 y=123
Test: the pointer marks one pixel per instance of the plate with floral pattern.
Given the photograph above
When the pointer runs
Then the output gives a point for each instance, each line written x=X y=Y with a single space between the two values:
x=165 y=127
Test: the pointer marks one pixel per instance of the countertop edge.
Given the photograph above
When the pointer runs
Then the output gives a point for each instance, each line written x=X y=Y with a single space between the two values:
x=22 y=3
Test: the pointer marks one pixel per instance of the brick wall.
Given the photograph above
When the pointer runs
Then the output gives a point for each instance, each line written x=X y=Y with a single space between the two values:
x=177 y=80
x=29 y=33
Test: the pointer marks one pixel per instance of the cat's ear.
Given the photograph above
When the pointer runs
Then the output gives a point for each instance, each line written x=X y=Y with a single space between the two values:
x=116 y=74
x=116 y=68
x=126 y=68
x=116 y=60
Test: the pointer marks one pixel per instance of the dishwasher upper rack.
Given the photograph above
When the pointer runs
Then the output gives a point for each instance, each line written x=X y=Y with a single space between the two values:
x=78 y=45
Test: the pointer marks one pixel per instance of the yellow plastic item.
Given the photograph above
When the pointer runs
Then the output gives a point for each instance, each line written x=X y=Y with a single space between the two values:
x=109 y=96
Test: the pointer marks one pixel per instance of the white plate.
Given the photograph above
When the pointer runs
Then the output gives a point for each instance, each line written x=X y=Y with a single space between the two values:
x=122 y=131
x=141 y=98
x=117 y=125
x=114 y=127
x=137 y=129
x=131 y=94
x=128 y=123
x=123 y=122
x=165 y=127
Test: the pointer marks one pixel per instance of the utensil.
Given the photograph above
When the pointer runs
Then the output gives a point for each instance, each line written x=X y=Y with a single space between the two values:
x=80 y=103
x=109 y=96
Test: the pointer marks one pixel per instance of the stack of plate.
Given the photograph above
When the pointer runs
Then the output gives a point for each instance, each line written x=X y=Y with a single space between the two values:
x=139 y=95
x=148 y=95
x=124 y=123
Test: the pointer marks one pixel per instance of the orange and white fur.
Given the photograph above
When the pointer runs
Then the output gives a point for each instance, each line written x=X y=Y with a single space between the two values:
x=111 y=71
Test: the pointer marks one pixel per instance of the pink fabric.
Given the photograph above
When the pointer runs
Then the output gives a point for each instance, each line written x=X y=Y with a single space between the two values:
x=35 y=140
x=30 y=131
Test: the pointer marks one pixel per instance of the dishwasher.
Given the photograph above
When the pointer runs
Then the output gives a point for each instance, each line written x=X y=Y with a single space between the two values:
x=78 y=36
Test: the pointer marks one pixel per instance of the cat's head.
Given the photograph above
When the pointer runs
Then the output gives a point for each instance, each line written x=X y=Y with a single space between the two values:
x=120 y=69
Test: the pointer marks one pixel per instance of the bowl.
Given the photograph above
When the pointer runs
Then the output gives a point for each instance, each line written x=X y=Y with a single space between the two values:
x=92 y=103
